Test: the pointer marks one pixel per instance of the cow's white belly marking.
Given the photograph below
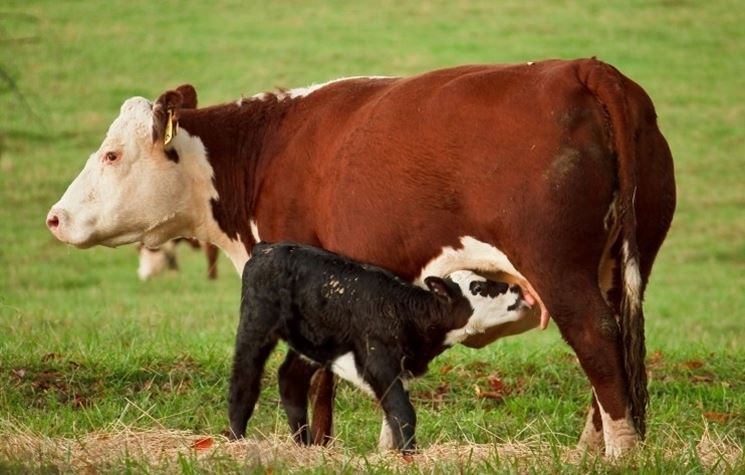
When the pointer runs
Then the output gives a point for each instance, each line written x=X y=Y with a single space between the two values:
x=474 y=255
x=478 y=256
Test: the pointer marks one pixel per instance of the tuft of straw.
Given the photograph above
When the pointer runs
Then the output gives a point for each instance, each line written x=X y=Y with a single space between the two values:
x=162 y=449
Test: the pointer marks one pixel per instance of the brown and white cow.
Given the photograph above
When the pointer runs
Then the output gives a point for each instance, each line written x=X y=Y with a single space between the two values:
x=552 y=172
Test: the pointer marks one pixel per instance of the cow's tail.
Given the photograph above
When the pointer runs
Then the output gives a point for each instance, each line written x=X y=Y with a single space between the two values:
x=607 y=84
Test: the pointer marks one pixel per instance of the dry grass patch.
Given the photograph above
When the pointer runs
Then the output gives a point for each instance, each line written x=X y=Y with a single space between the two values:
x=162 y=449
x=174 y=451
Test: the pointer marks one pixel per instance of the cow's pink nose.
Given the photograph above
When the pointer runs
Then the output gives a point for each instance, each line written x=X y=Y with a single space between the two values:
x=52 y=221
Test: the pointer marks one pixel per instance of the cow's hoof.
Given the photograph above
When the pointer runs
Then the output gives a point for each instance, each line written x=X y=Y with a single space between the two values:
x=591 y=443
x=621 y=445
x=591 y=439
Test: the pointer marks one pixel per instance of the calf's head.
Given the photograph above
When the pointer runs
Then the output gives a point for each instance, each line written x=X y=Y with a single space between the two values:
x=457 y=307
x=134 y=187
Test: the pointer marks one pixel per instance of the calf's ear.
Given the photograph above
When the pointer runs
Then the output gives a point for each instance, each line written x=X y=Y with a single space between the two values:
x=167 y=110
x=440 y=288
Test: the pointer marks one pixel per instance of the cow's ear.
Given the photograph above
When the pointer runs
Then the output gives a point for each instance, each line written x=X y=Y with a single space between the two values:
x=189 y=96
x=440 y=288
x=167 y=110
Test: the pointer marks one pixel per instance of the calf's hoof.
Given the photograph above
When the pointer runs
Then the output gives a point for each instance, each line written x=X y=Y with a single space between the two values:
x=409 y=451
x=302 y=437
x=232 y=435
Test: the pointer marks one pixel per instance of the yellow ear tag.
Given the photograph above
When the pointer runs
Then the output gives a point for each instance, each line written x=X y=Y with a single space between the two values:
x=170 y=130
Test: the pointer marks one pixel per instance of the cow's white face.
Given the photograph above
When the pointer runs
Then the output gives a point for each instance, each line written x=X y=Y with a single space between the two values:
x=128 y=190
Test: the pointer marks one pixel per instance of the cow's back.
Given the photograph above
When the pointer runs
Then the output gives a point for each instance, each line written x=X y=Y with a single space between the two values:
x=503 y=152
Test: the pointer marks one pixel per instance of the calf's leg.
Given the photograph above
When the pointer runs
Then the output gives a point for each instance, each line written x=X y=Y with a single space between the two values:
x=295 y=375
x=385 y=439
x=254 y=342
x=383 y=376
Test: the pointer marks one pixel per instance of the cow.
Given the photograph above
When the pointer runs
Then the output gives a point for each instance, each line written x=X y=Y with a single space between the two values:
x=152 y=262
x=552 y=172
x=362 y=322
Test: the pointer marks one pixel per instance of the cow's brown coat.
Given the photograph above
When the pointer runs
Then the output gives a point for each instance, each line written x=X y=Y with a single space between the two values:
x=527 y=158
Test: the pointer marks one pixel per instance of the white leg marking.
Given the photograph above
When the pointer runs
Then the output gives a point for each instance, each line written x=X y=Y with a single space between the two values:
x=591 y=438
x=385 y=441
x=619 y=435
x=345 y=367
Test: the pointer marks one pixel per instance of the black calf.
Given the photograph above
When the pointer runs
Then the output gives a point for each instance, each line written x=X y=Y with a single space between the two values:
x=334 y=311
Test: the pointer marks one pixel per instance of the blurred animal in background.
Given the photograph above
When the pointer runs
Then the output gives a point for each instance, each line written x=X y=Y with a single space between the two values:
x=155 y=261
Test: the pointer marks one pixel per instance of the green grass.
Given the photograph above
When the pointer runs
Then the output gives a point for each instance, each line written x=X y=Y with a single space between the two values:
x=84 y=346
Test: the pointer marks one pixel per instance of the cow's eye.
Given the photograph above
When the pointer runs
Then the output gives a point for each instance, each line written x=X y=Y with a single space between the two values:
x=111 y=157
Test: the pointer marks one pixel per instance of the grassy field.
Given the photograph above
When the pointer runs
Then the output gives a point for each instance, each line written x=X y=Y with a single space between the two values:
x=99 y=371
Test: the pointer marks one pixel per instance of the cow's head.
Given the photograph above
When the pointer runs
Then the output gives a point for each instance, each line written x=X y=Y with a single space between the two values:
x=133 y=188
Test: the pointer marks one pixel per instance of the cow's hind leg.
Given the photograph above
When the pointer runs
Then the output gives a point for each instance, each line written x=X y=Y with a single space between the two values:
x=591 y=438
x=295 y=375
x=609 y=278
x=588 y=324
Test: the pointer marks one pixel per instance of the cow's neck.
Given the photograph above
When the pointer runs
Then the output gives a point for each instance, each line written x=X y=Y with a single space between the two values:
x=235 y=138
